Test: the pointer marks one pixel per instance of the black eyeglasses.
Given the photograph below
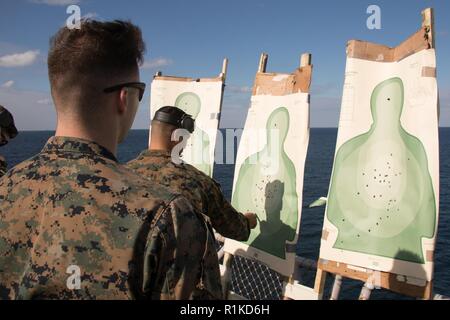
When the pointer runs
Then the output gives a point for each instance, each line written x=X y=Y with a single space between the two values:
x=138 y=85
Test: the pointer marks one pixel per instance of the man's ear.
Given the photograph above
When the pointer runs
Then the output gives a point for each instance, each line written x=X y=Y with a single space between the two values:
x=123 y=100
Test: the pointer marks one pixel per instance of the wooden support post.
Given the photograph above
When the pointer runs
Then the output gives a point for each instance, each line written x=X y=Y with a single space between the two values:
x=366 y=291
x=305 y=60
x=428 y=24
x=223 y=74
x=319 y=284
x=263 y=62
x=336 y=287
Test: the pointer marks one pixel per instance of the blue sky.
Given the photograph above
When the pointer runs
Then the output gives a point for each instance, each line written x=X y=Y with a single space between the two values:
x=190 y=38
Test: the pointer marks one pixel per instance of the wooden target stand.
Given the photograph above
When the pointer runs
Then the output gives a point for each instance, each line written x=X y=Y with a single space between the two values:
x=422 y=39
x=372 y=279
x=298 y=81
x=220 y=78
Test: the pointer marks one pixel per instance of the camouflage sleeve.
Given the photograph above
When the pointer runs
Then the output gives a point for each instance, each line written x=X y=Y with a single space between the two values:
x=224 y=218
x=3 y=166
x=176 y=248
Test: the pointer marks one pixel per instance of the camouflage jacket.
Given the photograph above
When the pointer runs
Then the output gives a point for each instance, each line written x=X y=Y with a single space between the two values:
x=3 y=166
x=201 y=190
x=75 y=224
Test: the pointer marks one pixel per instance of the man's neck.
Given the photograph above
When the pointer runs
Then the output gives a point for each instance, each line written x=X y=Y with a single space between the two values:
x=105 y=139
x=160 y=147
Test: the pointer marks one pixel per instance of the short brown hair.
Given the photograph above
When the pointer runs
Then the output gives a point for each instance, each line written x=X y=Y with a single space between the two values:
x=97 y=49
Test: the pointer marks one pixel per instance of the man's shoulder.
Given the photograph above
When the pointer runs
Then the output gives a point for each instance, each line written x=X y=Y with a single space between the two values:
x=191 y=176
x=190 y=171
x=106 y=178
x=140 y=181
x=22 y=166
x=161 y=167
x=141 y=189
x=201 y=176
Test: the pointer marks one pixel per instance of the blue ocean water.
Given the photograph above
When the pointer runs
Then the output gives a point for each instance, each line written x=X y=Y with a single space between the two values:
x=317 y=175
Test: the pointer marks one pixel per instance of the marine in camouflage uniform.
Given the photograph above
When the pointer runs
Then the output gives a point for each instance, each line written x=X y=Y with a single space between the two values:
x=74 y=205
x=201 y=190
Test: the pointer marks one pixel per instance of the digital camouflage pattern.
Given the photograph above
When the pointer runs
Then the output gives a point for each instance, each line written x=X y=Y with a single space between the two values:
x=201 y=190
x=74 y=205
x=3 y=166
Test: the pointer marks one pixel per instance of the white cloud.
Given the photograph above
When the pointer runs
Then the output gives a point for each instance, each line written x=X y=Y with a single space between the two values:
x=7 y=84
x=156 y=63
x=56 y=2
x=19 y=59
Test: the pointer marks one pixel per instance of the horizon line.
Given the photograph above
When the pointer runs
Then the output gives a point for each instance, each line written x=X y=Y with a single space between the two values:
x=46 y=130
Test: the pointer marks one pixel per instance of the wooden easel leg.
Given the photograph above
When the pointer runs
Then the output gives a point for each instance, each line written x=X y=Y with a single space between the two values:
x=366 y=291
x=263 y=63
x=319 y=284
x=305 y=60
x=223 y=74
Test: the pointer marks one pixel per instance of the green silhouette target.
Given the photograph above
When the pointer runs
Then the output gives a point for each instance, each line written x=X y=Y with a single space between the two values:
x=381 y=196
x=266 y=185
